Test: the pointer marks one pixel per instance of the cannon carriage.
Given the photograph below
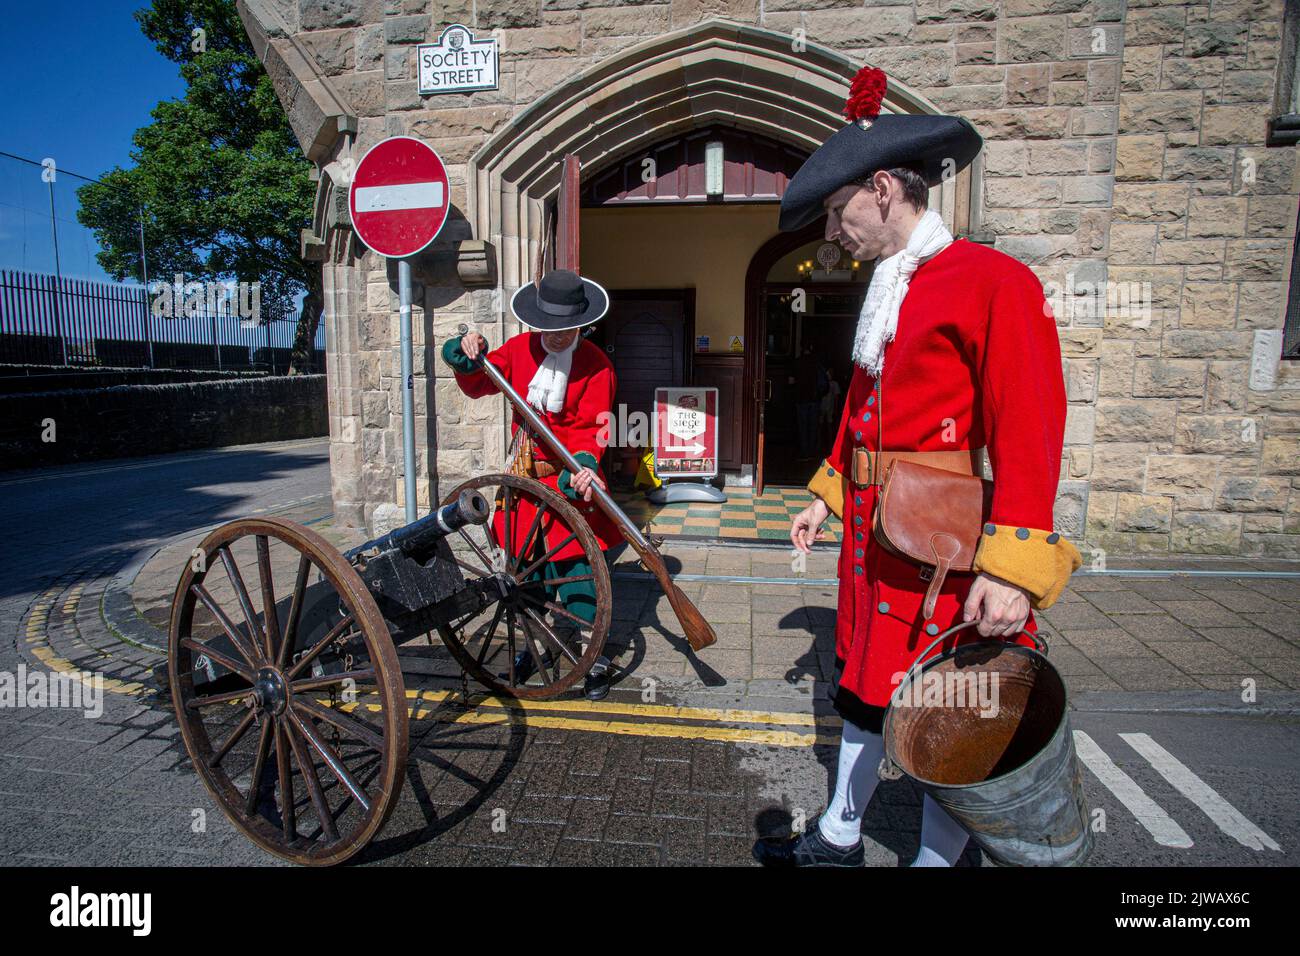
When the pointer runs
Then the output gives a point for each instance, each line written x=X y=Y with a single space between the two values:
x=282 y=658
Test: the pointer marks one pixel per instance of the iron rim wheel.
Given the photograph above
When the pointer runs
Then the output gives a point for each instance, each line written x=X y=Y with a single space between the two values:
x=308 y=779
x=485 y=644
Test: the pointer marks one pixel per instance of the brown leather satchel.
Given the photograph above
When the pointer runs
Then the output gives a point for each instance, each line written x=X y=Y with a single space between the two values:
x=932 y=517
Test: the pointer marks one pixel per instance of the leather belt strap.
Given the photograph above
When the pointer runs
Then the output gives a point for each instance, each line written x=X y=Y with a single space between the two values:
x=869 y=466
x=544 y=469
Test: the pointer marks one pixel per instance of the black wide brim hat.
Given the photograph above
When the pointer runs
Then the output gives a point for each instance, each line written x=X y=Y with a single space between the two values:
x=940 y=145
x=563 y=300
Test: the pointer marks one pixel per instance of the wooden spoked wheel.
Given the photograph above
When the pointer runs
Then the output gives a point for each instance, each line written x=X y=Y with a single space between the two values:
x=291 y=704
x=529 y=524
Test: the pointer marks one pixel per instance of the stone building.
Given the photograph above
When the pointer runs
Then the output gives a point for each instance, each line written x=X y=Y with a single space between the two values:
x=1137 y=156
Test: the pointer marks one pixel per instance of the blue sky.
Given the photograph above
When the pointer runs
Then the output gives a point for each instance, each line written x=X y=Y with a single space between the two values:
x=78 y=79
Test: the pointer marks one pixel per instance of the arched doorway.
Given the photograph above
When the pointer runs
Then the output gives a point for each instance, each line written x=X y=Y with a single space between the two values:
x=716 y=72
x=613 y=116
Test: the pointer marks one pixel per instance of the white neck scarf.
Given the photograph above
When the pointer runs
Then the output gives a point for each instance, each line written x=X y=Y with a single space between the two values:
x=878 y=320
x=546 y=390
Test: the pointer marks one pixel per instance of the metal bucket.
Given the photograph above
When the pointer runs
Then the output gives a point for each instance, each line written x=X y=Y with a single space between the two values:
x=1010 y=778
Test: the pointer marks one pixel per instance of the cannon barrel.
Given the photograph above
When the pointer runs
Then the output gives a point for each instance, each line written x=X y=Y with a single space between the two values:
x=418 y=537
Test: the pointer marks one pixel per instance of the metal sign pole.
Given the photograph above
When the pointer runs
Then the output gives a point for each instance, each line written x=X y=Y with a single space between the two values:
x=408 y=387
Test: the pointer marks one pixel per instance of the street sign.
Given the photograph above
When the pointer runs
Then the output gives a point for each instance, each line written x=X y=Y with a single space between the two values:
x=457 y=63
x=399 y=197
x=399 y=200
x=686 y=432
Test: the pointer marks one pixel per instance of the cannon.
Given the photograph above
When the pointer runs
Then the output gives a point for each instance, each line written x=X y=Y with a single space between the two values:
x=289 y=693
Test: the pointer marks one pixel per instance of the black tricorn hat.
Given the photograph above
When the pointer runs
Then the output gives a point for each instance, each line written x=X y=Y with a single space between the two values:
x=939 y=145
x=562 y=300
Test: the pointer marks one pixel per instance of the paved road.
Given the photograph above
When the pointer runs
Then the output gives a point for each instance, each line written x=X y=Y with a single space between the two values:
x=60 y=519
x=690 y=777
x=82 y=524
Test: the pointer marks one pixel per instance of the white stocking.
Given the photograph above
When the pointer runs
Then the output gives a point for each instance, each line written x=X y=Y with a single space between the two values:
x=942 y=837
x=855 y=782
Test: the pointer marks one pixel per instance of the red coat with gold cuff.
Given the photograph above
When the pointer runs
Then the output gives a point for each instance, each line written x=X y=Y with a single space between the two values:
x=975 y=362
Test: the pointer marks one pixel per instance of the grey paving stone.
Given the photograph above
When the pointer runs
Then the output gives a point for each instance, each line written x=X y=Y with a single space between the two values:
x=1155 y=628
x=1081 y=615
x=1141 y=674
x=1122 y=602
x=1281 y=670
x=1284 y=625
x=535 y=844
x=1105 y=642
x=1204 y=657
x=587 y=819
x=1249 y=642
x=1201 y=613
x=636 y=829
x=1244 y=600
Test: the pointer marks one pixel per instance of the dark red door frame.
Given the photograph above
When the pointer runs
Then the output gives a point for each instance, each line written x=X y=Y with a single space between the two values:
x=756 y=338
x=566 y=227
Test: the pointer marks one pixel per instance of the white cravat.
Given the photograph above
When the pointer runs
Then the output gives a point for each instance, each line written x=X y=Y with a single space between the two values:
x=878 y=320
x=546 y=390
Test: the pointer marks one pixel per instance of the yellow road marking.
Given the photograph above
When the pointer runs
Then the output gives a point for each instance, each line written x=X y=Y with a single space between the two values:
x=41 y=650
x=748 y=735
x=728 y=716
x=54 y=662
x=539 y=713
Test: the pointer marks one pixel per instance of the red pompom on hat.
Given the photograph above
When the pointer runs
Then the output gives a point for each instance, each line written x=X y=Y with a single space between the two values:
x=866 y=93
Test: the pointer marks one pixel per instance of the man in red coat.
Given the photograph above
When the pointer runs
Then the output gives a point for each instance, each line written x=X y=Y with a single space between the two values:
x=571 y=384
x=957 y=348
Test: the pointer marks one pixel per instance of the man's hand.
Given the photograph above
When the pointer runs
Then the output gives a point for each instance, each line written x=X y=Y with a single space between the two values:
x=473 y=345
x=806 y=527
x=582 y=482
x=1001 y=607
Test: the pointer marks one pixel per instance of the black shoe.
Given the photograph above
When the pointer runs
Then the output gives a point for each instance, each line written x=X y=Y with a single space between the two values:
x=596 y=686
x=525 y=667
x=807 y=849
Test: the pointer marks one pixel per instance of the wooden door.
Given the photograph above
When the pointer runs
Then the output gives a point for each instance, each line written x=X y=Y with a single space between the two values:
x=645 y=338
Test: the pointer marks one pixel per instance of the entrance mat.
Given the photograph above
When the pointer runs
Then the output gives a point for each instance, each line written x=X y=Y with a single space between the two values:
x=742 y=515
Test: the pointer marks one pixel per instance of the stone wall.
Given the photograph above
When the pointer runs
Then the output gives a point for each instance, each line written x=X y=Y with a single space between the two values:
x=1191 y=451
x=123 y=421
x=52 y=378
x=1124 y=145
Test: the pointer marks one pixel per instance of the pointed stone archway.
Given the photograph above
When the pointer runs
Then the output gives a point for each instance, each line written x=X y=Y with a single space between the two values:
x=717 y=71
x=714 y=72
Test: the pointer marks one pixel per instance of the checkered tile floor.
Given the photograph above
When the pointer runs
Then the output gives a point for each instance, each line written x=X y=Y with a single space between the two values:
x=742 y=515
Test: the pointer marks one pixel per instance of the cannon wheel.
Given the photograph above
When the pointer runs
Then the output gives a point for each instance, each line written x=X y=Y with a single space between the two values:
x=303 y=752
x=486 y=643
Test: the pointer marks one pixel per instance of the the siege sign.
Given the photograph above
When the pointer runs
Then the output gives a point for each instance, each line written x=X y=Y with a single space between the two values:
x=457 y=63
x=686 y=432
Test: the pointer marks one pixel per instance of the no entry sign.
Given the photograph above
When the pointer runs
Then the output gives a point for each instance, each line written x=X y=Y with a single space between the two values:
x=686 y=432
x=399 y=197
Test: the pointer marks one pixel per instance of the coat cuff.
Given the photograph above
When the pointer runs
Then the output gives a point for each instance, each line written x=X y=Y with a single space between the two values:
x=565 y=481
x=458 y=360
x=828 y=485
x=1039 y=561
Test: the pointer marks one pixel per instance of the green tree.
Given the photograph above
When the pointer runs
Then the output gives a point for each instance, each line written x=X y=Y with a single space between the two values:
x=219 y=179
